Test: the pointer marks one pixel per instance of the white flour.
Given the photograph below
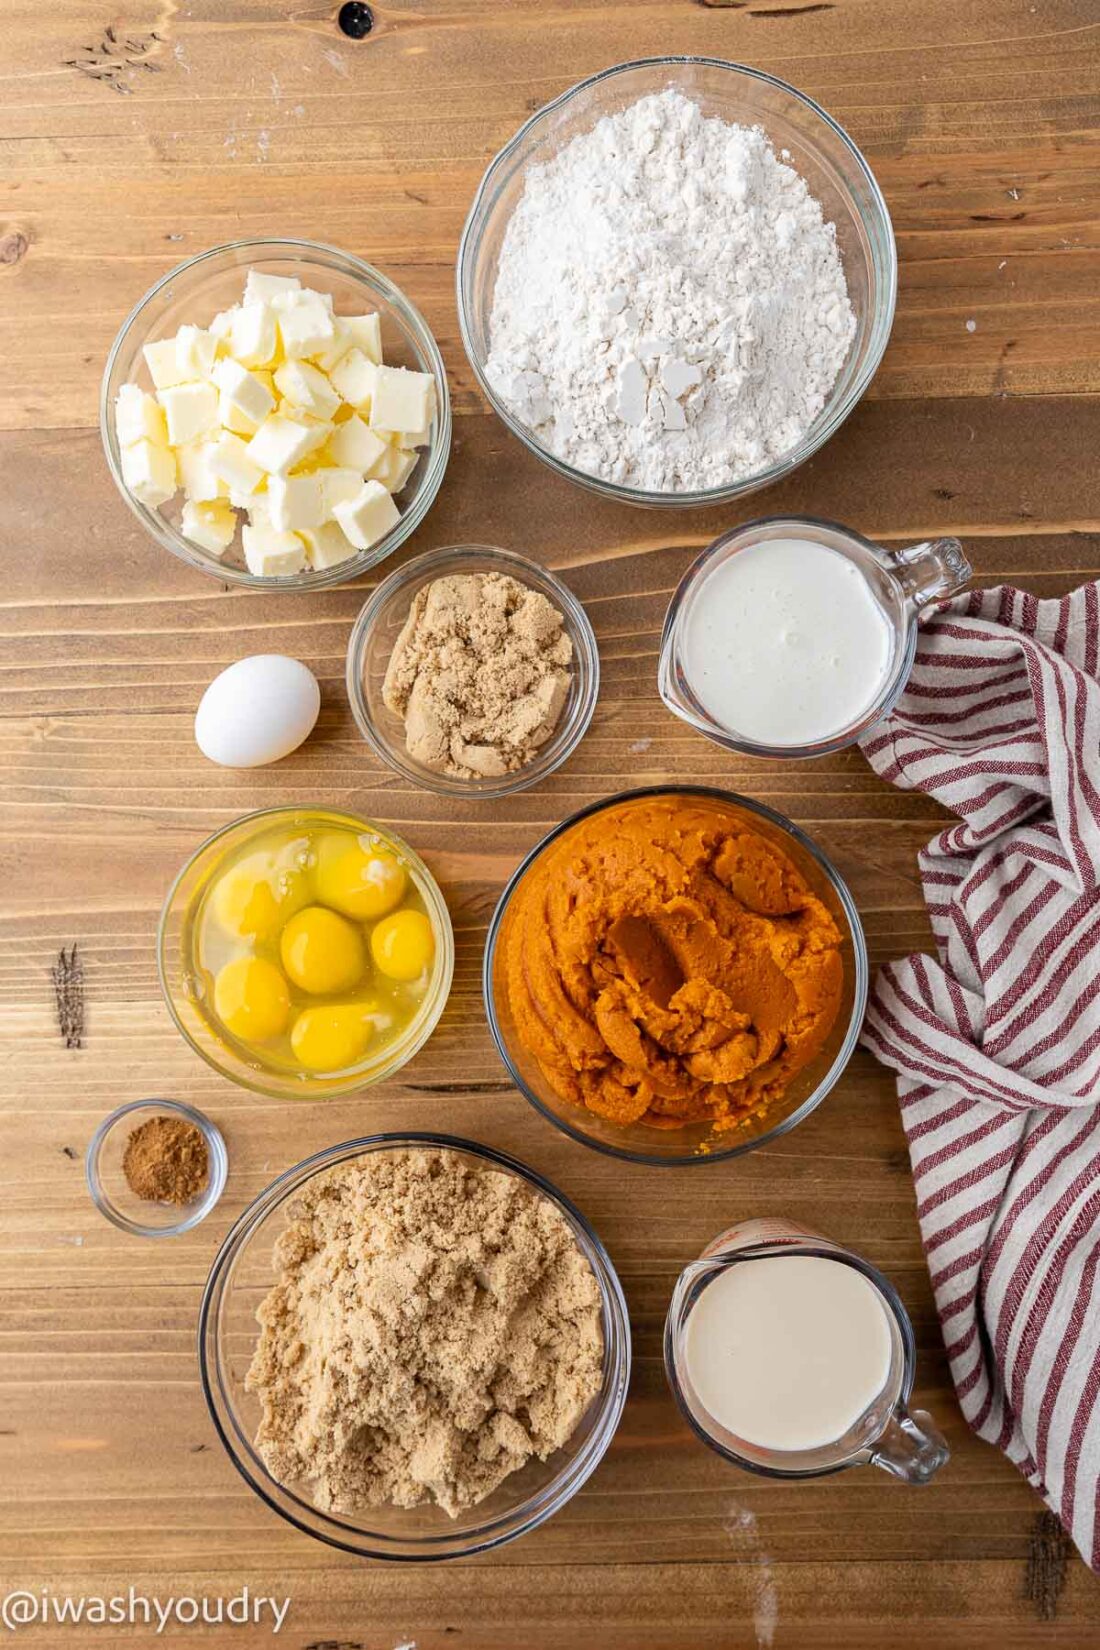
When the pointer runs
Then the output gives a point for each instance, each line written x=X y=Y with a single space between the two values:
x=670 y=309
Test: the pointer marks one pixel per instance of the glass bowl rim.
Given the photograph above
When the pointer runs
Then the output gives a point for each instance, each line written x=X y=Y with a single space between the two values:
x=442 y=927
x=761 y=1250
x=611 y=1400
x=438 y=452
x=841 y=1058
x=198 y=1211
x=565 y=738
x=829 y=420
x=877 y=711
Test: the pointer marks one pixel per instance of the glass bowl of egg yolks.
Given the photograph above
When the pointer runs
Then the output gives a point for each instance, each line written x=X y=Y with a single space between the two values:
x=305 y=953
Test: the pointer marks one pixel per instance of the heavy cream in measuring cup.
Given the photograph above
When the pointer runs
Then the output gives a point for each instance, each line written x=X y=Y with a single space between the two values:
x=785 y=643
x=787 y=1351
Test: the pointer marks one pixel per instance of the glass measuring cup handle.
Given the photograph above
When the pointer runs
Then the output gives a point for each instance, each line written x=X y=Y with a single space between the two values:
x=911 y=1448
x=930 y=571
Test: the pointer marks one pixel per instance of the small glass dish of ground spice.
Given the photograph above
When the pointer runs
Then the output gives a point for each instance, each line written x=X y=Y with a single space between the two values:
x=156 y=1168
x=473 y=671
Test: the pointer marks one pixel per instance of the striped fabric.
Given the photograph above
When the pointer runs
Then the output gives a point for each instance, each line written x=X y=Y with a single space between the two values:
x=997 y=1043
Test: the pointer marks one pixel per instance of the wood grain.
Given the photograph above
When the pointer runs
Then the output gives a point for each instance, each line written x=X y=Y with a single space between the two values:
x=190 y=123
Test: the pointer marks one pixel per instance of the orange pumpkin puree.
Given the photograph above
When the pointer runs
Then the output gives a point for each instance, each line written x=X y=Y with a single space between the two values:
x=666 y=964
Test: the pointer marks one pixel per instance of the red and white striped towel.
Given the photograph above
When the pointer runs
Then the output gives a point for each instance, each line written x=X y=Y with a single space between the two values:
x=997 y=1044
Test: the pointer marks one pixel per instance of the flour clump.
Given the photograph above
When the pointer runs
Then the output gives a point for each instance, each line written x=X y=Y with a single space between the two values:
x=670 y=311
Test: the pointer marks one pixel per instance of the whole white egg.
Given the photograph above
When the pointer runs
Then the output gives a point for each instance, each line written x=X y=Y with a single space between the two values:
x=257 y=711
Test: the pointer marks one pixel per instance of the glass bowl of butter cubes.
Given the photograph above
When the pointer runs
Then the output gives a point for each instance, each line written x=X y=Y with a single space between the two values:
x=276 y=413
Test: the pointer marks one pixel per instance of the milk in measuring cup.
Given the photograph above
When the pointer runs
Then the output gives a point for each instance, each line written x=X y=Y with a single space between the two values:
x=786 y=643
x=786 y=1352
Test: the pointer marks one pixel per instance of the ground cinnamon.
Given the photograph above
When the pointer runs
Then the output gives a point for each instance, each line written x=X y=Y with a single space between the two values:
x=166 y=1161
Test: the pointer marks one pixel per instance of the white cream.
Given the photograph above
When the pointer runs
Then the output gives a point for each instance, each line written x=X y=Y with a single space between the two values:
x=785 y=643
x=787 y=1352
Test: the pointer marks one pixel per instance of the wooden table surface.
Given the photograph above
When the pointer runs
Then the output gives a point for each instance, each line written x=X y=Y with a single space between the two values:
x=130 y=140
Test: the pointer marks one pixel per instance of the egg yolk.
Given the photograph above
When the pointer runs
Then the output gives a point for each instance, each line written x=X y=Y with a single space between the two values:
x=254 y=898
x=364 y=883
x=332 y=1036
x=322 y=952
x=251 y=999
x=403 y=945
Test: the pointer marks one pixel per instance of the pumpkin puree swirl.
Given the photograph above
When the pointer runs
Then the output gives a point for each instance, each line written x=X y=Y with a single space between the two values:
x=664 y=964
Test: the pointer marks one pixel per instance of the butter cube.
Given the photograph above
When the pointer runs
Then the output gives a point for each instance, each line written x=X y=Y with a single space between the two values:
x=190 y=410
x=394 y=468
x=313 y=461
x=369 y=516
x=195 y=352
x=403 y=400
x=338 y=486
x=254 y=337
x=149 y=472
x=326 y=545
x=296 y=501
x=271 y=554
x=405 y=438
x=163 y=364
x=196 y=468
x=281 y=443
x=258 y=513
x=337 y=346
x=264 y=289
x=288 y=300
x=354 y=378
x=306 y=387
x=242 y=395
x=306 y=325
x=234 y=420
x=366 y=334
x=232 y=464
x=222 y=324
x=212 y=526
x=139 y=417
x=355 y=446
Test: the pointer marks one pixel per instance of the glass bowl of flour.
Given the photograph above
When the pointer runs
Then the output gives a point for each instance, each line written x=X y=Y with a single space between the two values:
x=676 y=281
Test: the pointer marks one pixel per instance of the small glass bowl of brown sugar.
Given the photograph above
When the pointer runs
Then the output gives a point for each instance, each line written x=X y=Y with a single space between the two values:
x=156 y=1168
x=473 y=672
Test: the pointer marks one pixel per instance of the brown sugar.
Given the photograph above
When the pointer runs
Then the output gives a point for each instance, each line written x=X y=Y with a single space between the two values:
x=434 y=1326
x=480 y=674
x=166 y=1161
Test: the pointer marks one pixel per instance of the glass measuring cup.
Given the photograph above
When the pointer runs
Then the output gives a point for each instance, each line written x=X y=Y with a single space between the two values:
x=905 y=1443
x=901 y=582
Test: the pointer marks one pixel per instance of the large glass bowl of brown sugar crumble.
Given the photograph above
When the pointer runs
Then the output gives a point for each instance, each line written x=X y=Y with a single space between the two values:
x=294 y=1244
x=460 y=693
x=676 y=975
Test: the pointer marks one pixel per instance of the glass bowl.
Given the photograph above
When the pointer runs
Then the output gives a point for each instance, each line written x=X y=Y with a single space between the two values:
x=110 y=1190
x=692 y=1142
x=194 y=292
x=181 y=992
x=240 y=1278
x=379 y=625
x=820 y=151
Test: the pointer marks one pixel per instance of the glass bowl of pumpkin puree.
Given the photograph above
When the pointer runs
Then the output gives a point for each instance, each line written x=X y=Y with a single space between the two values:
x=675 y=975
